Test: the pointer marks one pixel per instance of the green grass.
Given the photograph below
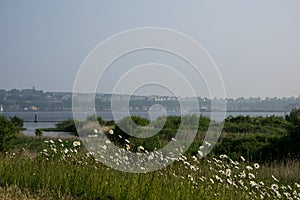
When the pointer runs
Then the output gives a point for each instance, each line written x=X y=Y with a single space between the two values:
x=48 y=171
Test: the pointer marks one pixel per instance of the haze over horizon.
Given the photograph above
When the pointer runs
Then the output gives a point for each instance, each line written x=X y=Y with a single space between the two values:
x=255 y=44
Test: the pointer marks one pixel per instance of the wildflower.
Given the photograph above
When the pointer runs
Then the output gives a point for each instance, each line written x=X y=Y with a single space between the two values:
x=234 y=162
x=212 y=181
x=173 y=139
x=229 y=181
x=222 y=172
x=256 y=165
x=278 y=194
x=218 y=178
x=295 y=193
x=253 y=184
x=251 y=175
x=195 y=158
x=111 y=131
x=92 y=136
x=242 y=174
x=193 y=168
x=228 y=172
x=140 y=148
x=274 y=187
x=243 y=159
x=207 y=143
x=184 y=158
x=95 y=131
x=45 y=150
x=186 y=163
x=287 y=194
x=217 y=161
x=190 y=177
x=200 y=154
x=249 y=168
x=59 y=140
x=46 y=141
x=76 y=143
x=297 y=185
x=151 y=157
x=274 y=178
x=241 y=182
x=66 y=151
x=223 y=156
x=127 y=147
x=126 y=140
x=51 y=141
x=261 y=183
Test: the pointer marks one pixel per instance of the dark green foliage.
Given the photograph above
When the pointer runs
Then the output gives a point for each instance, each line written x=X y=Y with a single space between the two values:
x=67 y=125
x=131 y=124
x=7 y=131
x=172 y=122
x=18 y=122
x=262 y=138
x=257 y=138
x=203 y=123
x=110 y=123
x=294 y=130
x=253 y=146
x=165 y=127
x=247 y=124
x=96 y=118
x=38 y=132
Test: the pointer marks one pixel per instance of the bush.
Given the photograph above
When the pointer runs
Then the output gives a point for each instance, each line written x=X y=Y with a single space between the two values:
x=67 y=125
x=294 y=130
x=18 y=122
x=7 y=131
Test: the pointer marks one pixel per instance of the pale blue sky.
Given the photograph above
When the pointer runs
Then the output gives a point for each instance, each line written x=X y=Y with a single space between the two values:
x=255 y=44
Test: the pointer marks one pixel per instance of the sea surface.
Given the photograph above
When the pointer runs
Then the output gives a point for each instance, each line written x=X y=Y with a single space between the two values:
x=49 y=119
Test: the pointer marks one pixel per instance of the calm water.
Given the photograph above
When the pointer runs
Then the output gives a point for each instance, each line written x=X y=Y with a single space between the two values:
x=49 y=119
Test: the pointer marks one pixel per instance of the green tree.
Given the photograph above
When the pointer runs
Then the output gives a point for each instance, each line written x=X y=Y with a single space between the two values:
x=7 y=131
x=18 y=122
x=67 y=125
x=96 y=118
x=294 y=119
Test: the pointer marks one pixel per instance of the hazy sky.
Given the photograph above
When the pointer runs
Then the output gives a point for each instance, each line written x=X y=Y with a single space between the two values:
x=255 y=44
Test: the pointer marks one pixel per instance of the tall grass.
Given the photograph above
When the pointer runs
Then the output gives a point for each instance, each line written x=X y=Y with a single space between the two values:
x=62 y=170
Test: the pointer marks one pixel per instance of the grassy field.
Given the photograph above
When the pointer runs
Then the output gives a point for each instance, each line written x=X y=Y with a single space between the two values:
x=45 y=168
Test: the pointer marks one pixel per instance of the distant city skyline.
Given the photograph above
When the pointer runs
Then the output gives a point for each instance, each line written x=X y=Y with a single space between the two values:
x=38 y=100
x=255 y=44
x=148 y=95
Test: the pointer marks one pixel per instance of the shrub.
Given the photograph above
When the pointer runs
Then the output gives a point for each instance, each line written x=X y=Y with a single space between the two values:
x=18 y=122
x=7 y=131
